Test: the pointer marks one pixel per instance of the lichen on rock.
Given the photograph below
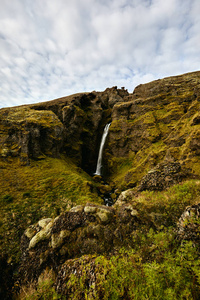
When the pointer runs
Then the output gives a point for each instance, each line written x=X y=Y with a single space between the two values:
x=93 y=229
x=43 y=234
x=188 y=227
x=162 y=176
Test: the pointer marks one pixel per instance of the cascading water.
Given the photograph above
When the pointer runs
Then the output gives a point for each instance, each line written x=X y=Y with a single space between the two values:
x=100 y=156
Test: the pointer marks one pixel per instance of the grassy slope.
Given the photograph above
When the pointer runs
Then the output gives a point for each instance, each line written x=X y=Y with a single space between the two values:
x=43 y=189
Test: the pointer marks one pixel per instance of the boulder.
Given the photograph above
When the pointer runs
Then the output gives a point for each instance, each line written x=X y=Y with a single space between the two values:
x=162 y=176
x=124 y=197
x=188 y=227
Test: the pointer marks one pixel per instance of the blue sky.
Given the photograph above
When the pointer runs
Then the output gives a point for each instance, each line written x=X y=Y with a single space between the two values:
x=50 y=49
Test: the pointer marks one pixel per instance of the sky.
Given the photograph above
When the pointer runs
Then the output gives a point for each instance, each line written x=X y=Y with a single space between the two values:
x=54 y=48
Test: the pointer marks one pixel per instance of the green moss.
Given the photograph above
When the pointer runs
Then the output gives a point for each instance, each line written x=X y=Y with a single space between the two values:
x=20 y=116
x=151 y=270
x=149 y=118
x=79 y=111
x=115 y=126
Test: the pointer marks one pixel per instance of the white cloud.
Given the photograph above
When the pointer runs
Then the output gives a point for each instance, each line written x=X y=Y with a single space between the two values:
x=51 y=49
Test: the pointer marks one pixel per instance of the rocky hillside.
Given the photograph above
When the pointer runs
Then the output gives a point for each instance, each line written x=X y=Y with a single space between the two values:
x=53 y=206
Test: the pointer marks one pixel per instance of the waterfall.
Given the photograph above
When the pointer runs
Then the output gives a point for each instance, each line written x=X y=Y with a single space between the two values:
x=100 y=156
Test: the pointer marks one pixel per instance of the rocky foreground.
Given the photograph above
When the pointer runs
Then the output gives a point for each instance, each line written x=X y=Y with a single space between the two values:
x=58 y=239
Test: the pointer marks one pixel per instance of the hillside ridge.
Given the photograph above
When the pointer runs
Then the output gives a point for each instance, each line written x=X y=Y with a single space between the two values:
x=54 y=225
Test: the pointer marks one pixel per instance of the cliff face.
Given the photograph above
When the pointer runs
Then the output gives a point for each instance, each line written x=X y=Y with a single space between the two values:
x=158 y=122
x=48 y=152
x=72 y=125
x=30 y=133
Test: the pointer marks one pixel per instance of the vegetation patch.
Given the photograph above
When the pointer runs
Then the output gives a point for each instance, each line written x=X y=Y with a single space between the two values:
x=45 y=188
x=151 y=270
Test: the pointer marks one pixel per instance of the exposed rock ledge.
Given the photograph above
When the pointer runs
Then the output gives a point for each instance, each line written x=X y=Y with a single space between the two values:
x=163 y=175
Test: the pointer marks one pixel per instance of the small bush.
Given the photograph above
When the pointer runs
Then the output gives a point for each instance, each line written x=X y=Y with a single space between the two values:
x=26 y=195
x=44 y=291
x=7 y=199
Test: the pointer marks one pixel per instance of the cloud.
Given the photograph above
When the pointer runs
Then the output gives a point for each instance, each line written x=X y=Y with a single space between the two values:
x=51 y=49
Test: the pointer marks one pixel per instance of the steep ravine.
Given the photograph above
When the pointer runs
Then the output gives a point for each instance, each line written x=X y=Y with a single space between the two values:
x=52 y=202
x=71 y=125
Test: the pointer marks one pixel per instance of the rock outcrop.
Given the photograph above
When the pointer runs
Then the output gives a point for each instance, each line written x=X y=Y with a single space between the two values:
x=189 y=224
x=85 y=229
x=29 y=133
x=162 y=176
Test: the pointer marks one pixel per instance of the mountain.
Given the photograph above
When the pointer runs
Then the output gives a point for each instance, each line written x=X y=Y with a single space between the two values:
x=54 y=206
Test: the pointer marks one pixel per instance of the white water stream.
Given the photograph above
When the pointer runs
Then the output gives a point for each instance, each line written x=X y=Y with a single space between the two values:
x=100 y=156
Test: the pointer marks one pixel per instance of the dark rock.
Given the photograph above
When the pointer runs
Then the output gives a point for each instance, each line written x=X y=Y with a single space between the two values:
x=162 y=176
